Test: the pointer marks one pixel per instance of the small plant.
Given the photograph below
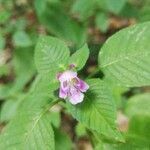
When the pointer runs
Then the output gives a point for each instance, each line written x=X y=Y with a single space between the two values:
x=124 y=61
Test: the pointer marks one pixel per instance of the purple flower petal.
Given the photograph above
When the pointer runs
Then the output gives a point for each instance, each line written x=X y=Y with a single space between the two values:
x=71 y=87
x=62 y=93
x=67 y=76
x=76 y=98
x=82 y=86
x=64 y=86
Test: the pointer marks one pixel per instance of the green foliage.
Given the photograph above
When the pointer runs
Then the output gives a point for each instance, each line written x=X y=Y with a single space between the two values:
x=24 y=70
x=138 y=110
x=23 y=66
x=84 y=8
x=117 y=92
x=127 y=63
x=55 y=118
x=102 y=22
x=33 y=126
x=97 y=112
x=21 y=39
x=51 y=55
x=62 y=140
x=114 y=5
x=2 y=42
x=62 y=26
x=44 y=85
x=4 y=16
x=80 y=57
x=138 y=105
x=30 y=116
x=8 y=110
x=80 y=129
x=4 y=70
x=144 y=11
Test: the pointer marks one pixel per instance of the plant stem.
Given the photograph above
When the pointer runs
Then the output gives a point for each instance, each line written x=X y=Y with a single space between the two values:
x=52 y=104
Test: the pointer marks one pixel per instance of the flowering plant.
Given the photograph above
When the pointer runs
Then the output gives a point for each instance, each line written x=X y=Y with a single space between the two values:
x=123 y=63
x=72 y=87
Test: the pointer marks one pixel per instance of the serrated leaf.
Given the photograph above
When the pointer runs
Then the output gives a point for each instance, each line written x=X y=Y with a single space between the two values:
x=31 y=127
x=80 y=57
x=51 y=55
x=124 y=58
x=97 y=111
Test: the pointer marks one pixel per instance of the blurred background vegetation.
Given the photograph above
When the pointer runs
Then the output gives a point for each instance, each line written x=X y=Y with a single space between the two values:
x=75 y=22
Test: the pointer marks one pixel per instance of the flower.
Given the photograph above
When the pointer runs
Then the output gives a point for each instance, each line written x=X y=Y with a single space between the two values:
x=71 y=87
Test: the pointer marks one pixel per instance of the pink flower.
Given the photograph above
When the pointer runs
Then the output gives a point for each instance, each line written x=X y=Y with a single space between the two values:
x=71 y=87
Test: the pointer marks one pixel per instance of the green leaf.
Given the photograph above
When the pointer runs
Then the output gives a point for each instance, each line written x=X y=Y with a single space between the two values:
x=129 y=11
x=21 y=39
x=55 y=119
x=84 y=8
x=97 y=111
x=4 y=91
x=24 y=70
x=62 y=140
x=138 y=110
x=139 y=126
x=23 y=66
x=4 y=16
x=4 y=70
x=117 y=92
x=132 y=143
x=102 y=21
x=51 y=55
x=80 y=57
x=113 y=6
x=30 y=128
x=144 y=12
x=139 y=105
x=80 y=129
x=124 y=58
x=62 y=26
x=45 y=85
x=8 y=110
x=21 y=24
